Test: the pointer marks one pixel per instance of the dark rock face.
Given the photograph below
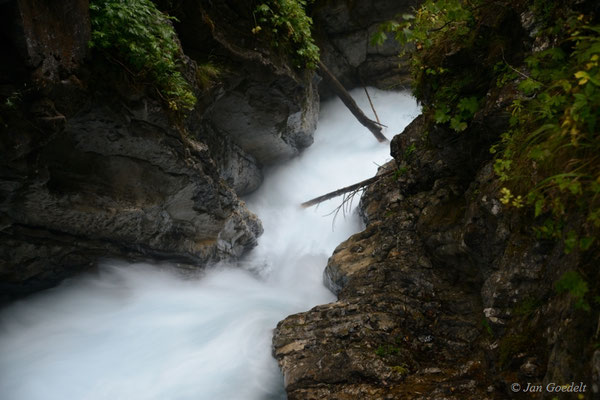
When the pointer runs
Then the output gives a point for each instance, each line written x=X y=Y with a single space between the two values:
x=93 y=167
x=271 y=119
x=445 y=294
x=53 y=36
x=113 y=180
x=345 y=32
x=265 y=111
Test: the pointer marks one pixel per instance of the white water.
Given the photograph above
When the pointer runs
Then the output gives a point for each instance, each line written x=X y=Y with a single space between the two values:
x=141 y=332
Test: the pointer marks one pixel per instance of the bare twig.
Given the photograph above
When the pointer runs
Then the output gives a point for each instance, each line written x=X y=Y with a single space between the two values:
x=371 y=103
x=345 y=206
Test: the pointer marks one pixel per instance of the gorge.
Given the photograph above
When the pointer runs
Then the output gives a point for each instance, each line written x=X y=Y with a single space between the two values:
x=152 y=170
x=210 y=336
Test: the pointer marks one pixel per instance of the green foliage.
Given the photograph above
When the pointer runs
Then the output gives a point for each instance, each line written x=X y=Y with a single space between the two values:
x=399 y=172
x=142 y=38
x=551 y=154
x=486 y=325
x=549 y=158
x=573 y=283
x=434 y=30
x=287 y=26
x=527 y=307
x=409 y=151
x=206 y=74
x=14 y=100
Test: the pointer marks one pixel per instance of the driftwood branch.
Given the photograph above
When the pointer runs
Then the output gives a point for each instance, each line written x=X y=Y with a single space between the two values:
x=352 y=188
x=343 y=94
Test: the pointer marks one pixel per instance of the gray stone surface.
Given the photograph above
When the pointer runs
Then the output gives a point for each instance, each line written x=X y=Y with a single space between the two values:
x=345 y=30
x=113 y=183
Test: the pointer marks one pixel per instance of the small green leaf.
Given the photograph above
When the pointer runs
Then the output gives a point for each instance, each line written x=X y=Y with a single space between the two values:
x=470 y=105
x=441 y=115
x=570 y=242
x=457 y=124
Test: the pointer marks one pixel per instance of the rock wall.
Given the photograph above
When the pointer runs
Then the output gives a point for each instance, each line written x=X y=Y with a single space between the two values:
x=95 y=166
x=344 y=32
x=265 y=108
x=443 y=295
x=447 y=293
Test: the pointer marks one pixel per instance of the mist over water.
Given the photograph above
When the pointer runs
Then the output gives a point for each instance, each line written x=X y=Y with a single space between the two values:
x=143 y=332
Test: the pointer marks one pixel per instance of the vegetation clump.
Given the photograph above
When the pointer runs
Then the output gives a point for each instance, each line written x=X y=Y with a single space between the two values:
x=436 y=29
x=288 y=28
x=550 y=156
x=548 y=159
x=141 y=38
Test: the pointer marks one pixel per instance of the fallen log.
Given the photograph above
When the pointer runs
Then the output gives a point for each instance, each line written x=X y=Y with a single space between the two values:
x=344 y=190
x=343 y=94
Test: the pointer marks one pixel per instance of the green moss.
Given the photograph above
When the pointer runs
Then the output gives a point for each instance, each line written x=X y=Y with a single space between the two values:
x=387 y=350
x=400 y=369
x=573 y=283
x=527 y=307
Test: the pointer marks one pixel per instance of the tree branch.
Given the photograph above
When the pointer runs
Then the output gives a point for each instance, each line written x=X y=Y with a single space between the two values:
x=343 y=94
x=344 y=190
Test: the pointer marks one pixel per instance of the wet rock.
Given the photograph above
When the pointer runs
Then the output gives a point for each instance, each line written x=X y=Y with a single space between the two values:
x=271 y=119
x=345 y=33
x=96 y=167
x=114 y=185
x=446 y=293
x=265 y=106
x=52 y=37
x=400 y=329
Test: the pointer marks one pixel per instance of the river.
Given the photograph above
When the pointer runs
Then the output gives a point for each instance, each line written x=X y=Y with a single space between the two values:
x=141 y=331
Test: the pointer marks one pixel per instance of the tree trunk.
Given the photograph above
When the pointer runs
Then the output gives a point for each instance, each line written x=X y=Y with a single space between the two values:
x=351 y=104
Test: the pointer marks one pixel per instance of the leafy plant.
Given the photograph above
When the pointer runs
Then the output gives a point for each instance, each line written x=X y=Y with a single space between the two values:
x=551 y=154
x=573 y=283
x=207 y=73
x=434 y=30
x=488 y=328
x=137 y=35
x=286 y=24
x=549 y=157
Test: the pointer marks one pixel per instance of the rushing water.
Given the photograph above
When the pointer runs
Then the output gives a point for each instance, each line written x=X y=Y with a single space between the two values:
x=143 y=332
